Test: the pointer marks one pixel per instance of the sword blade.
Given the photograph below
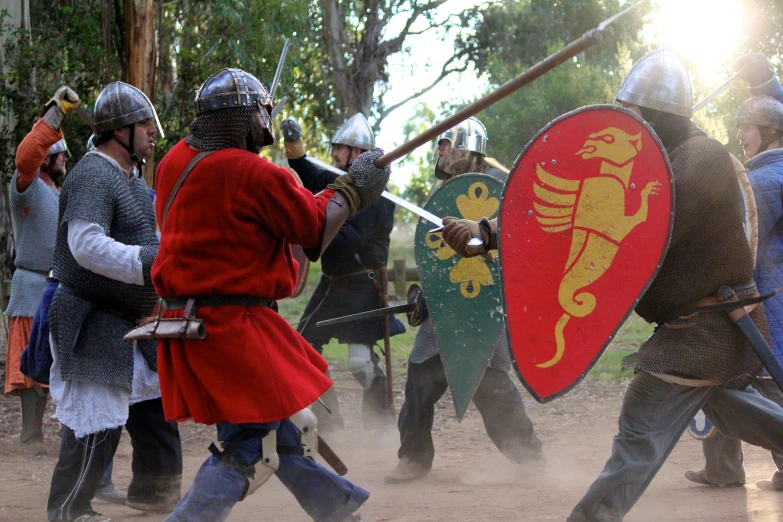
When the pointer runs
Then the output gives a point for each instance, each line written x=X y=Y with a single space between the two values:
x=717 y=92
x=79 y=110
x=429 y=216
x=380 y=312
x=279 y=71
x=279 y=106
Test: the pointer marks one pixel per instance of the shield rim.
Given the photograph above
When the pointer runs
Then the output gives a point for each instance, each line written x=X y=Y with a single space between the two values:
x=460 y=416
x=710 y=434
x=665 y=249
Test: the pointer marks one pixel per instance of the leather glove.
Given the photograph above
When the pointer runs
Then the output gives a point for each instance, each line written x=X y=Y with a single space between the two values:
x=364 y=183
x=65 y=98
x=457 y=233
x=292 y=131
x=755 y=69
x=292 y=139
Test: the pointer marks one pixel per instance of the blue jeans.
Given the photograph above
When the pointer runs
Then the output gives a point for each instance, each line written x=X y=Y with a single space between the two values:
x=218 y=485
x=653 y=417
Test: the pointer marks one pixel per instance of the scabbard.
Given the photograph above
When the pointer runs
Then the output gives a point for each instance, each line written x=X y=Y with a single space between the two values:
x=761 y=348
x=740 y=317
x=331 y=457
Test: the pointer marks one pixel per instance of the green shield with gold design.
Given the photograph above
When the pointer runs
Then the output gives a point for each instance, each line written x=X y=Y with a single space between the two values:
x=463 y=294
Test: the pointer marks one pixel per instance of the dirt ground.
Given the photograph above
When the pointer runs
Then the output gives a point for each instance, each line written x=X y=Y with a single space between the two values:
x=470 y=481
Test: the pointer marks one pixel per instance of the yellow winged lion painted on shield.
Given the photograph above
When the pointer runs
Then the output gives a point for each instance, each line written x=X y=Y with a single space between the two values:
x=594 y=207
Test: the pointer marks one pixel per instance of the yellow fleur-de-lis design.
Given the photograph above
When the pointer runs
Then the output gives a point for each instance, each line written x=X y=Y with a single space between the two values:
x=469 y=273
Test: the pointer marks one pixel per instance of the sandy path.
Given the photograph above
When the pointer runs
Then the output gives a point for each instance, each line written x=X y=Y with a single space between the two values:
x=470 y=480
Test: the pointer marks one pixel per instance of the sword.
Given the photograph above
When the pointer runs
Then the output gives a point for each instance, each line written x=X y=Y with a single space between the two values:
x=429 y=216
x=740 y=317
x=370 y=314
x=279 y=71
x=717 y=92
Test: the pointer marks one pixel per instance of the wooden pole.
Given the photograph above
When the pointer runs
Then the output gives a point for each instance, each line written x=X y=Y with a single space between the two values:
x=140 y=29
x=386 y=339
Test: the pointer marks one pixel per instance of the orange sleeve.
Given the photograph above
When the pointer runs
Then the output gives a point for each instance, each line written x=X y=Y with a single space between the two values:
x=33 y=151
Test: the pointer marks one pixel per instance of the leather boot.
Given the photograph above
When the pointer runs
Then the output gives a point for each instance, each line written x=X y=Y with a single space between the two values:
x=33 y=401
x=155 y=494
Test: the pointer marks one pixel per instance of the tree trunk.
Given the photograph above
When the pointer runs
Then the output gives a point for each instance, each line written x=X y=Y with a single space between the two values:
x=140 y=30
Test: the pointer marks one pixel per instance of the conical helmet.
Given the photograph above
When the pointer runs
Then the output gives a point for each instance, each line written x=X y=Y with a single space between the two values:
x=355 y=132
x=658 y=81
x=762 y=111
x=120 y=104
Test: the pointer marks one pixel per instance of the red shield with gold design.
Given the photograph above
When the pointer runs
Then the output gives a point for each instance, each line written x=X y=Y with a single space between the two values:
x=584 y=223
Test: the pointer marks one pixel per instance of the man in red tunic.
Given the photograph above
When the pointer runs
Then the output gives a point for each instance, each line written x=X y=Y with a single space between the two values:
x=225 y=242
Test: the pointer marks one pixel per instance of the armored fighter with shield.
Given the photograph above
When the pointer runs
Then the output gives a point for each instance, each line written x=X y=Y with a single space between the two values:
x=351 y=278
x=228 y=219
x=460 y=150
x=104 y=250
x=699 y=356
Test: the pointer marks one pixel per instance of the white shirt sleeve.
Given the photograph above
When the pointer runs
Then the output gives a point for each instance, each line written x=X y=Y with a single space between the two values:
x=99 y=253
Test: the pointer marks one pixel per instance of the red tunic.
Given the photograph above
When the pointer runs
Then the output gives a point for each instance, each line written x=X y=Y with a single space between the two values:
x=228 y=232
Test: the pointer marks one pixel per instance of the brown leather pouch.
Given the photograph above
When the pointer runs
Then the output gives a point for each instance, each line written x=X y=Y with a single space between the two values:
x=187 y=327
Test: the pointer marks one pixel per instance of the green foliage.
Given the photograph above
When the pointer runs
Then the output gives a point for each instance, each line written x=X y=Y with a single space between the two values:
x=511 y=36
x=422 y=181
x=514 y=121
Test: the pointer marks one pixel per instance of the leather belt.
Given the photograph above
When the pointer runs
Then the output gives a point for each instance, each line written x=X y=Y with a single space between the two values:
x=713 y=304
x=41 y=272
x=371 y=274
x=180 y=302
x=116 y=309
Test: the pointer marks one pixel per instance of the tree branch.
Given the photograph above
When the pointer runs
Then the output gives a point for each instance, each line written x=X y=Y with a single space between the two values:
x=395 y=45
x=443 y=73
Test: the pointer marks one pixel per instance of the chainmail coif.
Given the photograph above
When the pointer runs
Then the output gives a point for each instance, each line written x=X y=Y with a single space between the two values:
x=222 y=129
x=708 y=250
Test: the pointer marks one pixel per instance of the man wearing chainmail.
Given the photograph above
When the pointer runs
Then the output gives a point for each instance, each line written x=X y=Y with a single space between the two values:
x=350 y=280
x=460 y=150
x=105 y=246
x=34 y=196
x=699 y=361
x=228 y=218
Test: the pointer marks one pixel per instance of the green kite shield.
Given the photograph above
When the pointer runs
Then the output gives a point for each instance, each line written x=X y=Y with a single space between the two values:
x=463 y=294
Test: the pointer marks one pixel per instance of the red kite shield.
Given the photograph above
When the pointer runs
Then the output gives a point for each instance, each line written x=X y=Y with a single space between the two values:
x=585 y=219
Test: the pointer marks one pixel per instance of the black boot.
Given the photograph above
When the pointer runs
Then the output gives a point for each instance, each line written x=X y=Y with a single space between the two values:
x=33 y=408
x=376 y=411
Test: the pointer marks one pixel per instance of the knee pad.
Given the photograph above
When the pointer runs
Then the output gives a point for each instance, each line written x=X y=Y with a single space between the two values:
x=361 y=365
x=255 y=474
x=307 y=423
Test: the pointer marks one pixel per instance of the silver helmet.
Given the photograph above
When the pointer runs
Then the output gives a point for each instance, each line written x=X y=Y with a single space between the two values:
x=120 y=104
x=355 y=132
x=467 y=138
x=761 y=111
x=59 y=147
x=658 y=81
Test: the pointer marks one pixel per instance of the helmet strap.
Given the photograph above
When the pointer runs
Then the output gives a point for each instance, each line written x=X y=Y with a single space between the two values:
x=129 y=147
